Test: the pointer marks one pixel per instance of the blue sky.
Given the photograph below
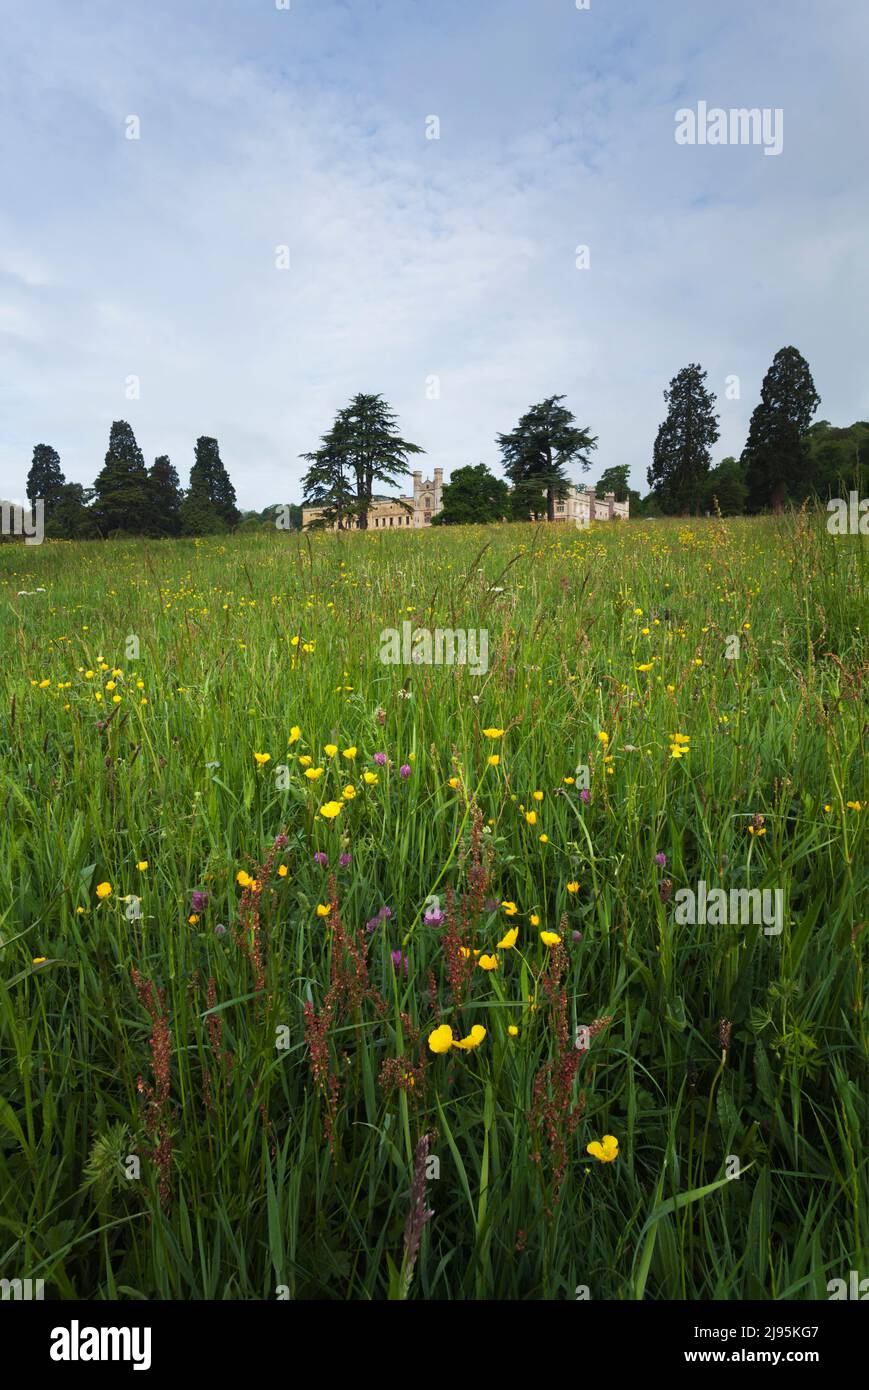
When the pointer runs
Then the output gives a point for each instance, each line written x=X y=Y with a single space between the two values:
x=413 y=258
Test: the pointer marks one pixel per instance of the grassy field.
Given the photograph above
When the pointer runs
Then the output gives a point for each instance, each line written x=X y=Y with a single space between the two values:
x=235 y=1095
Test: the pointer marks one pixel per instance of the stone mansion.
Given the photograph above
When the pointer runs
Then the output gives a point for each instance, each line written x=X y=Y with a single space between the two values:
x=579 y=507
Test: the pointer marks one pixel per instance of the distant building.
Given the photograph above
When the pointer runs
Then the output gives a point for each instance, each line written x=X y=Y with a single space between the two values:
x=385 y=512
x=579 y=507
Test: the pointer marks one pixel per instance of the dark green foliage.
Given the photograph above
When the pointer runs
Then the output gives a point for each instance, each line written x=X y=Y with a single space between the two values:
x=537 y=453
x=71 y=518
x=680 y=461
x=776 y=458
x=725 y=488
x=165 y=499
x=328 y=482
x=372 y=449
x=614 y=480
x=209 y=480
x=122 y=497
x=473 y=495
x=45 y=479
x=838 y=458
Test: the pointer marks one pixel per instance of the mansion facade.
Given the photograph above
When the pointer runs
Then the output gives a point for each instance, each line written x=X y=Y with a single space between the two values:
x=581 y=507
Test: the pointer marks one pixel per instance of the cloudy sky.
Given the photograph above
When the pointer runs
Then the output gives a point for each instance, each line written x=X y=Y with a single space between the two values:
x=413 y=258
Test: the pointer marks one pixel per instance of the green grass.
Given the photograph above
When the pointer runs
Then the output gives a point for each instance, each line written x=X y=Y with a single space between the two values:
x=258 y=1198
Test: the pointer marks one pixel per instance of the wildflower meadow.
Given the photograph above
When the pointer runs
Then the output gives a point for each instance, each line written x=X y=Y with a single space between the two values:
x=330 y=969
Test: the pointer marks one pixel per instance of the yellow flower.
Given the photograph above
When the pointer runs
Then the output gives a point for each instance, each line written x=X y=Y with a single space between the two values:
x=142 y=865
x=604 y=738
x=441 y=1040
x=263 y=758
x=550 y=938
x=488 y=962
x=330 y=749
x=510 y=908
x=305 y=761
x=370 y=778
x=312 y=773
x=192 y=919
x=494 y=733
x=568 y=781
x=349 y=792
x=509 y=939
x=607 y=1152
x=454 y=782
x=534 y=920
x=853 y=805
x=104 y=890
x=474 y=1038
x=349 y=752
x=80 y=911
x=531 y=817
x=573 y=886
x=538 y=796
x=323 y=909
x=494 y=759
x=295 y=733
x=39 y=960
x=243 y=879
x=512 y=1030
x=282 y=871
x=544 y=839
x=331 y=809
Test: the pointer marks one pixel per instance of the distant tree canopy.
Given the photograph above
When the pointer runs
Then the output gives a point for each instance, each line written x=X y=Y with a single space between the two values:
x=45 y=479
x=473 y=495
x=786 y=459
x=362 y=448
x=614 y=480
x=536 y=454
x=121 y=495
x=681 y=456
x=725 y=488
x=776 y=456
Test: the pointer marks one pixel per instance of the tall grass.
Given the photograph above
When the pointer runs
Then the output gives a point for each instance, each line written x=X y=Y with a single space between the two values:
x=280 y=1177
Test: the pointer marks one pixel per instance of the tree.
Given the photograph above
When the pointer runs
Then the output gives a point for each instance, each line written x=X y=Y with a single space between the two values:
x=328 y=483
x=165 y=498
x=473 y=495
x=375 y=452
x=121 y=494
x=725 y=488
x=839 y=458
x=210 y=480
x=537 y=452
x=680 y=461
x=45 y=479
x=776 y=458
x=614 y=480
x=198 y=514
x=71 y=518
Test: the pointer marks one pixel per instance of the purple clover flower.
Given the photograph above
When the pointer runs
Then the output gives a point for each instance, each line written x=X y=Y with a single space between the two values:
x=380 y=759
x=345 y=861
x=585 y=795
x=321 y=859
x=660 y=859
x=404 y=770
x=198 y=901
x=399 y=960
x=433 y=917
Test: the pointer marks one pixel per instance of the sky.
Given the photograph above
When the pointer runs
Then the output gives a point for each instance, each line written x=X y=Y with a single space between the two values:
x=144 y=279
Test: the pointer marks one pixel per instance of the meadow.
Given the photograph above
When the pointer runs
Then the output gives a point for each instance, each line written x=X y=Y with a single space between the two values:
x=319 y=975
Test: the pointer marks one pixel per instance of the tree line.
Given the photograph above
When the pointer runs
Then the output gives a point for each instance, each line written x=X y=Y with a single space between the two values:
x=786 y=459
